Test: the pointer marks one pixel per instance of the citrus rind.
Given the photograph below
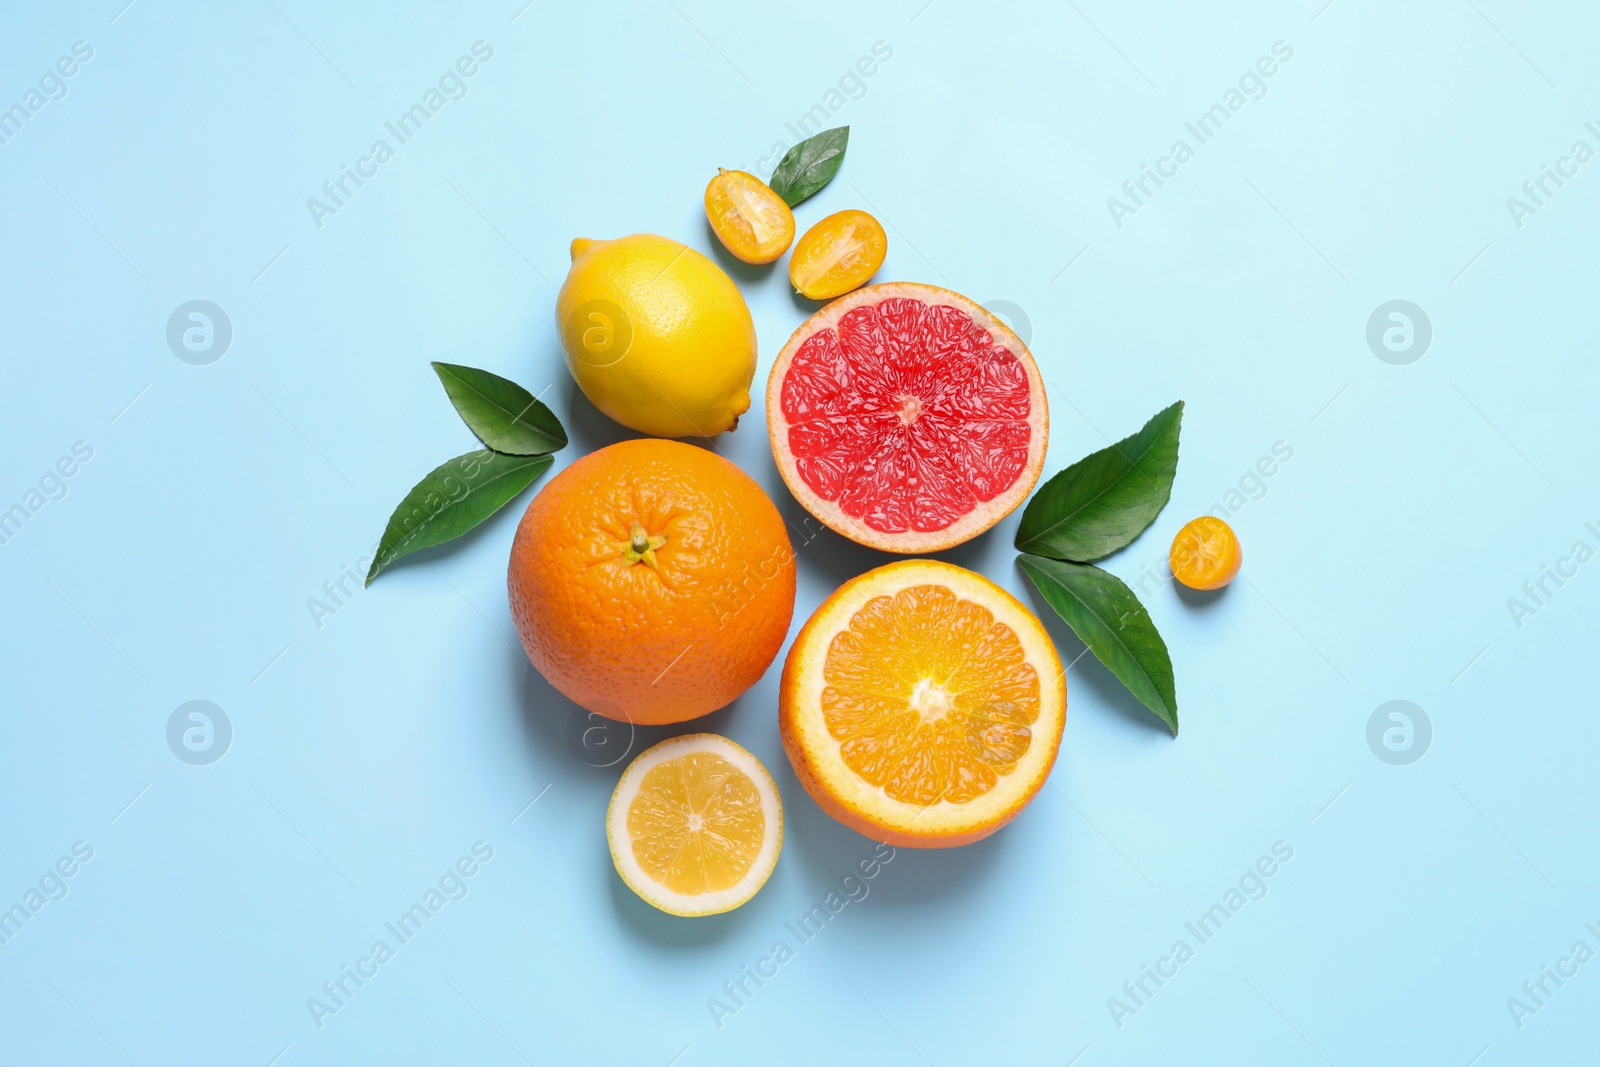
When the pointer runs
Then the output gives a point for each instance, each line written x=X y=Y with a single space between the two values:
x=984 y=514
x=660 y=896
x=816 y=754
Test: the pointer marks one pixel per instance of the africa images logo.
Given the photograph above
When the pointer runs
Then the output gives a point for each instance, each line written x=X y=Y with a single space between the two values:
x=1252 y=85
x=453 y=884
x=1399 y=332
x=452 y=85
x=199 y=332
x=199 y=732
x=1399 y=732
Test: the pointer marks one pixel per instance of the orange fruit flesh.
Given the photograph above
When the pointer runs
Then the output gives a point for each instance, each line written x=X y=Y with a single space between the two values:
x=697 y=824
x=838 y=254
x=750 y=220
x=1205 y=554
x=931 y=698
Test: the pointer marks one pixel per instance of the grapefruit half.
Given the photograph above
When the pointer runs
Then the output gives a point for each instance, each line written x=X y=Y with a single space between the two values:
x=907 y=417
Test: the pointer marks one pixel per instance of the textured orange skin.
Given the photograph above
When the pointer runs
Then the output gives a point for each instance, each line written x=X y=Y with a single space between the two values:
x=645 y=645
x=858 y=821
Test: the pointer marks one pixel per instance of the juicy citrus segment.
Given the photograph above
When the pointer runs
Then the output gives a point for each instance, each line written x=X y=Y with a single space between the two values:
x=1205 y=554
x=954 y=427
x=838 y=254
x=751 y=221
x=907 y=417
x=922 y=705
x=930 y=697
x=695 y=825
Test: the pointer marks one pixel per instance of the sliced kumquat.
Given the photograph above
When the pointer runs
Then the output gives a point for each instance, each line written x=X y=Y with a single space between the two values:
x=838 y=254
x=1206 y=554
x=750 y=220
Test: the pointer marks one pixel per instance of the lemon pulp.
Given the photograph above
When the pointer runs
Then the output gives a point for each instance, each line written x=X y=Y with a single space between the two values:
x=696 y=825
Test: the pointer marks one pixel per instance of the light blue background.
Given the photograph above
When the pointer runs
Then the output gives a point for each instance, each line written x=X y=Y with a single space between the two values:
x=373 y=750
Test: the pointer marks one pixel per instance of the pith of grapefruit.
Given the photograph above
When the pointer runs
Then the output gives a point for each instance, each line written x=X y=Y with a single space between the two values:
x=907 y=417
x=922 y=705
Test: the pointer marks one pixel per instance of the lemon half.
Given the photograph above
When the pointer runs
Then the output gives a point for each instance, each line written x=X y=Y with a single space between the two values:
x=695 y=825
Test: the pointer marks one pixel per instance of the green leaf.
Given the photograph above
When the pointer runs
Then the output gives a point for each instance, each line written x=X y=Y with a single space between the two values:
x=810 y=165
x=503 y=414
x=1105 y=614
x=455 y=496
x=1107 y=498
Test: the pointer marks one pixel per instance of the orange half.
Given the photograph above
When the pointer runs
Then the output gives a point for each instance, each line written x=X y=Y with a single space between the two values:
x=922 y=705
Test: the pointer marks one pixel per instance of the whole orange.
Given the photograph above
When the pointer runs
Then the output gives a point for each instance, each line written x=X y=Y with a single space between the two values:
x=652 y=581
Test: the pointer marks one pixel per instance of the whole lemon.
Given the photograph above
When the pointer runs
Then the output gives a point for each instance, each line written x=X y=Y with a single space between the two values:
x=657 y=336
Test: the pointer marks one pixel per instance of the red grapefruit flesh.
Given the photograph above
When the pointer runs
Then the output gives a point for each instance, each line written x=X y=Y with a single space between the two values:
x=907 y=417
